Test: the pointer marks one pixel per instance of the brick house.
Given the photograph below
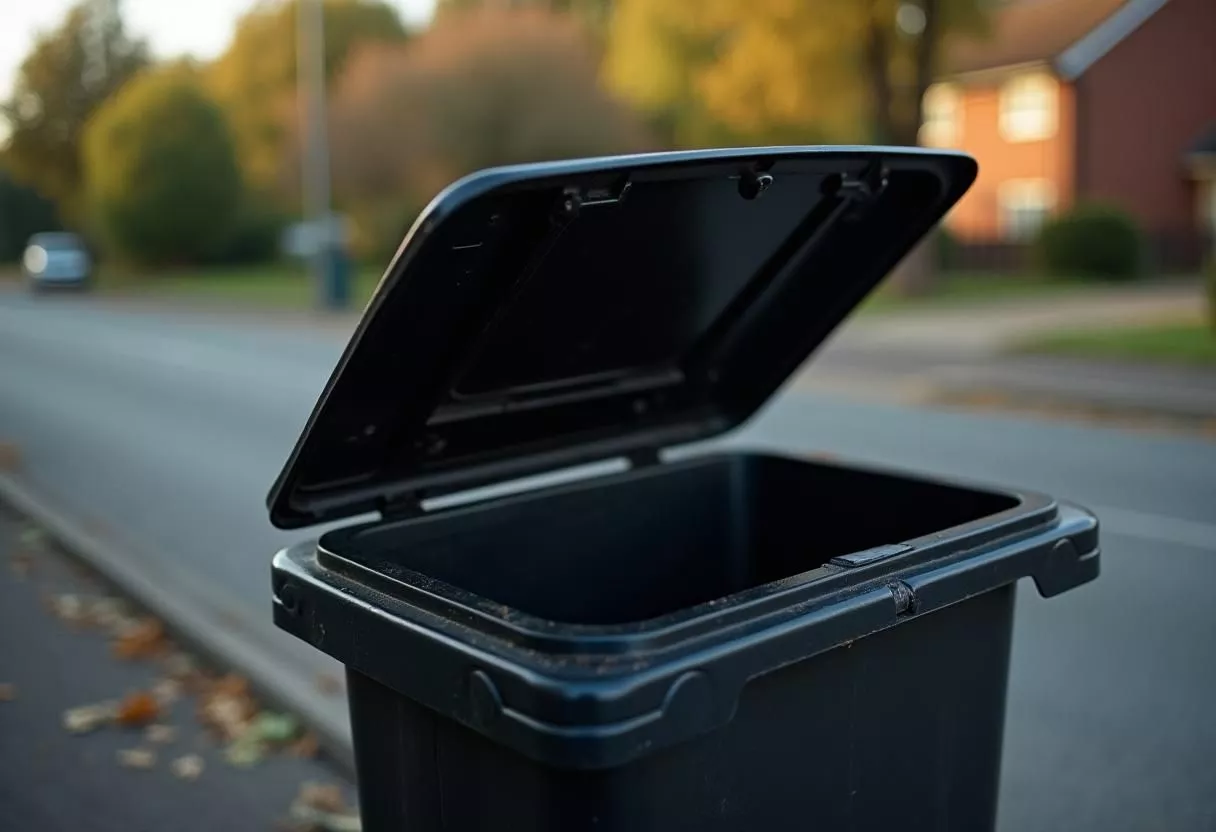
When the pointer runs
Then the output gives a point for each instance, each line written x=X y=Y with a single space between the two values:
x=1076 y=100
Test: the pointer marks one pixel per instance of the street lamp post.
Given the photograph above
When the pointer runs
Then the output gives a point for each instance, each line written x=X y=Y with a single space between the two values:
x=328 y=255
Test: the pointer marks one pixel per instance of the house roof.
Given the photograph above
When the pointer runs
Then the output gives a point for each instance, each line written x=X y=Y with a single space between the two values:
x=1071 y=35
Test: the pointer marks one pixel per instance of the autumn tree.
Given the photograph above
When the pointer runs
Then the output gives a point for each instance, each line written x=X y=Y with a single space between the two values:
x=483 y=88
x=254 y=80
x=787 y=71
x=161 y=170
x=69 y=72
x=777 y=70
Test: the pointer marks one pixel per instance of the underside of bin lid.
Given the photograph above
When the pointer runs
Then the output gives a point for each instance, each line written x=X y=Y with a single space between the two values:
x=542 y=316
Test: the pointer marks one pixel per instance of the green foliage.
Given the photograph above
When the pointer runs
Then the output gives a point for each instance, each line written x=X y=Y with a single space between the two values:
x=478 y=89
x=1093 y=241
x=255 y=79
x=161 y=170
x=1209 y=277
x=67 y=75
x=23 y=213
x=254 y=237
x=379 y=227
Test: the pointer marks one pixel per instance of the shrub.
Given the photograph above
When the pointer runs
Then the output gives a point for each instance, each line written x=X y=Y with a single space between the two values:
x=255 y=235
x=1091 y=240
x=479 y=88
x=161 y=171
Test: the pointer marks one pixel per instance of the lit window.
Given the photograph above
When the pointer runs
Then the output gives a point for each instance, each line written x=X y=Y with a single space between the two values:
x=942 y=116
x=1025 y=204
x=1028 y=108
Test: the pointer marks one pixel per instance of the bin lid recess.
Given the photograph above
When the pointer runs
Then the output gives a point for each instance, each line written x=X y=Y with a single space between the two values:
x=538 y=317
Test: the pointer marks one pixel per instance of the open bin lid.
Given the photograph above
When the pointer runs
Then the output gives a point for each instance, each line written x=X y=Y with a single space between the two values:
x=541 y=316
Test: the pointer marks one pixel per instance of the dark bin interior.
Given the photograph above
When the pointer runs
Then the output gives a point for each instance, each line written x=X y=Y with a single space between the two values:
x=641 y=545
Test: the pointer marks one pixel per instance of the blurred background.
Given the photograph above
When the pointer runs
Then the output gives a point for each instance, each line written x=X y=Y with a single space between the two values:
x=222 y=183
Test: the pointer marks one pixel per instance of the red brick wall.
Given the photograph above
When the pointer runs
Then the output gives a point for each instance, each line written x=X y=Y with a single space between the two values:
x=1140 y=106
x=977 y=216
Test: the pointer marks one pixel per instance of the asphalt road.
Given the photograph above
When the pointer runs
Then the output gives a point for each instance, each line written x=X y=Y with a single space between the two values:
x=168 y=429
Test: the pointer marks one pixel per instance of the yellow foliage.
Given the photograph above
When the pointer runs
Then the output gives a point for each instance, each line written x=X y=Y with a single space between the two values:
x=765 y=70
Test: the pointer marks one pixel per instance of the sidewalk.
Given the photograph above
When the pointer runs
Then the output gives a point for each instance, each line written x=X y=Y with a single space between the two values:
x=156 y=761
x=962 y=353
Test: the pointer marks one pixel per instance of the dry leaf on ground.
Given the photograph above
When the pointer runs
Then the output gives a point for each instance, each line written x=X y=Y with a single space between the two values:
x=328 y=684
x=305 y=748
x=10 y=456
x=137 y=709
x=142 y=639
x=160 y=734
x=68 y=607
x=167 y=691
x=322 y=808
x=88 y=718
x=189 y=767
x=226 y=707
x=22 y=564
x=8 y=691
x=142 y=758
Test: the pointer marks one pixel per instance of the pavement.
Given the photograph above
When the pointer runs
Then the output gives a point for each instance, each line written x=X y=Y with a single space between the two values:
x=57 y=781
x=155 y=437
x=967 y=353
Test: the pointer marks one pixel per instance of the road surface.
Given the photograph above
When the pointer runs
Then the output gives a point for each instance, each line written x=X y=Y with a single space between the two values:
x=55 y=781
x=168 y=428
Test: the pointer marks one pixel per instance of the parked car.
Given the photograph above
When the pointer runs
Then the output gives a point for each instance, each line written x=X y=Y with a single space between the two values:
x=57 y=259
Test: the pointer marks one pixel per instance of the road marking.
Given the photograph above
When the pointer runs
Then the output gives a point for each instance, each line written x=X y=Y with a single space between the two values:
x=1156 y=527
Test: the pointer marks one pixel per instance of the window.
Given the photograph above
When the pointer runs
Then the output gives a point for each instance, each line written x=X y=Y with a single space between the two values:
x=1025 y=204
x=943 y=117
x=1028 y=108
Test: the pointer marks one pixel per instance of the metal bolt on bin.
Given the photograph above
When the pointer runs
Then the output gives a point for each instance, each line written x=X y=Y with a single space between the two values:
x=557 y=623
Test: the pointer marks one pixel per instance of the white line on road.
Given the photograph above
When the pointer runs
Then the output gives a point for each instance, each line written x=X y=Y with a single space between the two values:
x=1156 y=527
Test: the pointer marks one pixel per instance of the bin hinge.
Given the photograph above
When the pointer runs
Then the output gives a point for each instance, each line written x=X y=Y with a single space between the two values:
x=401 y=506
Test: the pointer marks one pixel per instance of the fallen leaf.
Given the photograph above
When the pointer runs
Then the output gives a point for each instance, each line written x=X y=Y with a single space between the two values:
x=68 y=607
x=244 y=753
x=306 y=819
x=189 y=767
x=305 y=748
x=272 y=727
x=22 y=564
x=111 y=614
x=10 y=456
x=160 y=734
x=179 y=666
x=324 y=797
x=328 y=684
x=88 y=718
x=137 y=709
x=143 y=639
x=167 y=691
x=227 y=707
x=8 y=691
x=142 y=758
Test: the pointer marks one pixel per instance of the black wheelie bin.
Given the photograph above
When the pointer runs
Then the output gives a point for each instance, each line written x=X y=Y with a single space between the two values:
x=568 y=612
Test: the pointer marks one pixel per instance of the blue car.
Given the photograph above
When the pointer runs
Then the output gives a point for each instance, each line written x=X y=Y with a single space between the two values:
x=57 y=259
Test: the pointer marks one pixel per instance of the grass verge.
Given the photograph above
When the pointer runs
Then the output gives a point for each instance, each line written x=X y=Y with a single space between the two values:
x=1188 y=343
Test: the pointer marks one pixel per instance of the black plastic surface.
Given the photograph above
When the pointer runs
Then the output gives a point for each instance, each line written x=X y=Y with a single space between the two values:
x=631 y=548
x=898 y=731
x=401 y=602
x=541 y=316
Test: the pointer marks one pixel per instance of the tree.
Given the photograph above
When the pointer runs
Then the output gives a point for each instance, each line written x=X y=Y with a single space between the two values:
x=775 y=70
x=779 y=71
x=23 y=212
x=482 y=88
x=161 y=170
x=255 y=79
x=65 y=78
